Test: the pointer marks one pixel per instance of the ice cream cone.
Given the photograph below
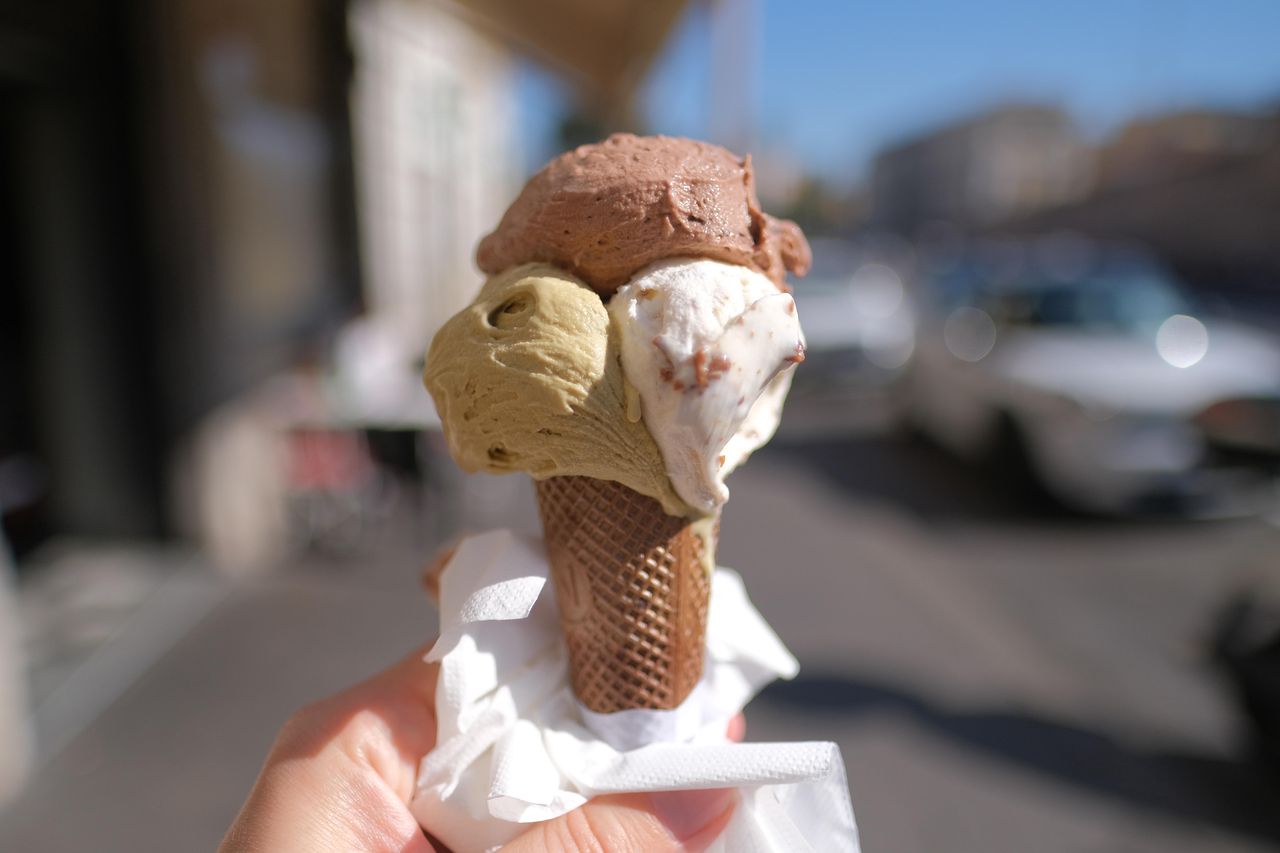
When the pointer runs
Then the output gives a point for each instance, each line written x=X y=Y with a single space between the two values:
x=633 y=588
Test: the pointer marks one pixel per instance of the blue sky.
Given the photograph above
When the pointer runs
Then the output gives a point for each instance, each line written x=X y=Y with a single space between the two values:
x=836 y=81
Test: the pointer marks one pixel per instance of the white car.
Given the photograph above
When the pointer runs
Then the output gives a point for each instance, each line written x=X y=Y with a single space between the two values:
x=856 y=315
x=1103 y=381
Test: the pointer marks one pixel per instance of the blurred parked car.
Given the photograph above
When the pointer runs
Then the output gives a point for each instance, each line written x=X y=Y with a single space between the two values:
x=1245 y=645
x=1089 y=369
x=858 y=324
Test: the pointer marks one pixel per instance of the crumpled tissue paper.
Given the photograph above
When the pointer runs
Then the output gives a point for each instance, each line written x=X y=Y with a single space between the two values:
x=514 y=746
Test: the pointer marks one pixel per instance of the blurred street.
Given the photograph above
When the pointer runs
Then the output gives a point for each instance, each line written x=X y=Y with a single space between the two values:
x=1021 y=521
x=996 y=680
x=999 y=683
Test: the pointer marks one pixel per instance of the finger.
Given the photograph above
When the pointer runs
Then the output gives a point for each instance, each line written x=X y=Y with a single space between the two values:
x=400 y=704
x=401 y=696
x=342 y=770
x=668 y=822
x=387 y=722
x=737 y=728
x=410 y=678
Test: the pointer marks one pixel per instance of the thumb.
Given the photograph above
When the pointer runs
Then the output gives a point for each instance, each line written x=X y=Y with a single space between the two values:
x=667 y=822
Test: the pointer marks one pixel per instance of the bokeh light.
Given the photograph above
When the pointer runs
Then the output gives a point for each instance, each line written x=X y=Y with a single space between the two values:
x=1182 y=341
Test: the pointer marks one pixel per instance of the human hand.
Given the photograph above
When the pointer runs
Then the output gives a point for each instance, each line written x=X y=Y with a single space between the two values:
x=342 y=772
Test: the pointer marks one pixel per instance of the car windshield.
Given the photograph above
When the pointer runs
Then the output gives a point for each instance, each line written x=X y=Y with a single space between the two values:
x=1133 y=301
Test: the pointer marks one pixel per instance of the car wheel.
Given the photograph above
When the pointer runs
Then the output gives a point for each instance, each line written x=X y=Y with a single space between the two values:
x=1012 y=468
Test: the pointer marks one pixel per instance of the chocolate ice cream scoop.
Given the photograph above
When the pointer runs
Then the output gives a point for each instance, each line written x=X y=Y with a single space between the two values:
x=606 y=211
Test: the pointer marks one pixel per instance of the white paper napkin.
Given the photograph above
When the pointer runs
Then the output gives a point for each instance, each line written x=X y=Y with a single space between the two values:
x=514 y=746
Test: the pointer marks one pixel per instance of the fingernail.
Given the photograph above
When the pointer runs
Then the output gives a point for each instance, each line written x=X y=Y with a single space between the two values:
x=688 y=814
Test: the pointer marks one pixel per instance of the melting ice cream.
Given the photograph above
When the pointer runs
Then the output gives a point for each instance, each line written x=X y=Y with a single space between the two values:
x=707 y=348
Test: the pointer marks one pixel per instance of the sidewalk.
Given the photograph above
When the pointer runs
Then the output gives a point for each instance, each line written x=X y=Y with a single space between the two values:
x=151 y=736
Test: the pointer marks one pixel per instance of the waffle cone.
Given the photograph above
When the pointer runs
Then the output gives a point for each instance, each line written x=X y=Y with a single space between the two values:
x=633 y=592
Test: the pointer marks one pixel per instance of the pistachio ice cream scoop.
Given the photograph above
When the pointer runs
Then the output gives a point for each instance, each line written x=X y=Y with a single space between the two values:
x=528 y=378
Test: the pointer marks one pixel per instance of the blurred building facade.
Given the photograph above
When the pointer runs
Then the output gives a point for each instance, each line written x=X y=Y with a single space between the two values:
x=197 y=195
x=1170 y=146
x=1022 y=170
x=1202 y=188
x=1009 y=161
x=433 y=118
x=435 y=124
x=175 y=220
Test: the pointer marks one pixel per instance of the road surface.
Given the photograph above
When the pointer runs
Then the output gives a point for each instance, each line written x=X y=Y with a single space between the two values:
x=997 y=680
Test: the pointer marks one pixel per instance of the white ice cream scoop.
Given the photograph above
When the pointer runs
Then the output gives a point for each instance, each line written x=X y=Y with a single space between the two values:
x=707 y=347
